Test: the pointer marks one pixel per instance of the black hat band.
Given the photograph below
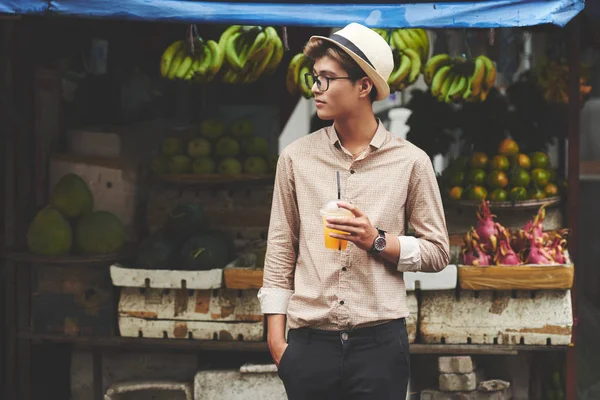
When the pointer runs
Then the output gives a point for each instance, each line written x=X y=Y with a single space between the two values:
x=346 y=43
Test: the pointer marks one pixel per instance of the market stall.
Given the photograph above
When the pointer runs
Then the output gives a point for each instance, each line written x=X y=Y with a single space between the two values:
x=122 y=181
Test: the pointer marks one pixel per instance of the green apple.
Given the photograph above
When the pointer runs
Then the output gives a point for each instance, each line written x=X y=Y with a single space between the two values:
x=242 y=128
x=227 y=147
x=212 y=128
x=172 y=146
x=180 y=164
x=255 y=165
x=199 y=147
x=230 y=166
x=256 y=146
x=204 y=165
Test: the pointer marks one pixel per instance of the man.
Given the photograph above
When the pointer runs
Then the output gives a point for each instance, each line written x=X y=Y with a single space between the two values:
x=346 y=309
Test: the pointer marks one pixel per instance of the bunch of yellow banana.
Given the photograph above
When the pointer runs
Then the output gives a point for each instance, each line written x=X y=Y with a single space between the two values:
x=459 y=80
x=202 y=65
x=552 y=77
x=402 y=39
x=407 y=68
x=250 y=52
x=295 y=80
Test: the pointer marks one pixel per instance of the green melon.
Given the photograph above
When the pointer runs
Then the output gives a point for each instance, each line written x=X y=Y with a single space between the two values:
x=72 y=196
x=49 y=234
x=156 y=251
x=100 y=232
x=212 y=250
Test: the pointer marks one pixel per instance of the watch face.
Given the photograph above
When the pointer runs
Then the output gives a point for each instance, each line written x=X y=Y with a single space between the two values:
x=379 y=244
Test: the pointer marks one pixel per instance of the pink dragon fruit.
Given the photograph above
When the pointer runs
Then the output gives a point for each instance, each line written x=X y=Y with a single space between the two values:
x=472 y=251
x=486 y=228
x=556 y=246
x=505 y=255
x=538 y=254
x=533 y=229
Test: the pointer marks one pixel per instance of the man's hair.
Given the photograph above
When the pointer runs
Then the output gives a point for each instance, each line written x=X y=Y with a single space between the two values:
x=319 y=48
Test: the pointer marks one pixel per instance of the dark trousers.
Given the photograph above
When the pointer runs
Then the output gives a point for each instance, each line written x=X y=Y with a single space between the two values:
x=364 y=364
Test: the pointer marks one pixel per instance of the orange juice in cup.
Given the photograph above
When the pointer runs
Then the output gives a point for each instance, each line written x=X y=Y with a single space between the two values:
x=331 y=209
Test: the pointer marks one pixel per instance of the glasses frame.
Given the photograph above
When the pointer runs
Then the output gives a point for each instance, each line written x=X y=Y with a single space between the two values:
x=318 y=81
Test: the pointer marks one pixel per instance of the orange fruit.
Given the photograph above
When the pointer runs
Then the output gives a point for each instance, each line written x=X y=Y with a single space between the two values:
x=456 y=192
x=518 y=193
x=476 y=176
x=523 y=161
x=520 y=177
x=551 y=190
x=537 y=194
x=479 y=160
x=508 y=147
x=539 y=160
x=540 y=177
x=477 y=193
x=499 y=195
x=497 y=180
x=499 y=163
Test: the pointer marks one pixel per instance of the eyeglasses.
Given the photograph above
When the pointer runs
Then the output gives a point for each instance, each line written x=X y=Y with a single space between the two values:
x=321 y=81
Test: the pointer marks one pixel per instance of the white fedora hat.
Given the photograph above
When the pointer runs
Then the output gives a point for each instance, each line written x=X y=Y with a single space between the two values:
x=370 y=51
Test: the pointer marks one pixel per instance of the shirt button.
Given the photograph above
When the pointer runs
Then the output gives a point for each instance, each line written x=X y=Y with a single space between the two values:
x=342 y=302
x=352 y=171
x=344 y=269
x=344 y=336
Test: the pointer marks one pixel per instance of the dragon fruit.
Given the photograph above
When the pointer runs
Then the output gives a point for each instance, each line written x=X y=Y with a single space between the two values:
x=472 y=251
x=533 y=229
x=486 y=228
x=505 y=255
x=556 y=246
x=538 y=254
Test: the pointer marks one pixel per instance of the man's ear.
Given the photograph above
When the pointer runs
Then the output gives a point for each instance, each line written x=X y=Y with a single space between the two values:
x=366 y=85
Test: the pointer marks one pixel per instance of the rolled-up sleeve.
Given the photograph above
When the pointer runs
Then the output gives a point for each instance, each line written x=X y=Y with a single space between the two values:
x=429 y=249
x=282 y=242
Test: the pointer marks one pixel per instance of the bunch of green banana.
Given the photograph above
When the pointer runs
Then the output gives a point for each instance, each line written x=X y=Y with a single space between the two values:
x=402 y=39
x=250 y=52
x=407 y=68
x=295 y=81
x=456 y=80
x=202 y=64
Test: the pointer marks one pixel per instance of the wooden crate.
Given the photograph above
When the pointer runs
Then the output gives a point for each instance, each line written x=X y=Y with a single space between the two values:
x=521 y=317
x=72 y=300
x=221 y=314
x=165 y=279
x=516 y=277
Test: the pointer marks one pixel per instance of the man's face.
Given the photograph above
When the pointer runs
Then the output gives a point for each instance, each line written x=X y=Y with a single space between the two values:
x=342 y=96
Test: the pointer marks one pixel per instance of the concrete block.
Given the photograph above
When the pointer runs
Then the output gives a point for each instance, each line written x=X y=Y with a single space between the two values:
x=431 y=394
x=460 y=382
x=233 y=385
x=456 y=365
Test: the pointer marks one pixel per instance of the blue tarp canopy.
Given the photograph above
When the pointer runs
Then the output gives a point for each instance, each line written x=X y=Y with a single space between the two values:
x=384 y=14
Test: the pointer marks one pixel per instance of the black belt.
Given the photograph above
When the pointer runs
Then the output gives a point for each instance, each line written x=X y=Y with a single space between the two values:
x=366 y=332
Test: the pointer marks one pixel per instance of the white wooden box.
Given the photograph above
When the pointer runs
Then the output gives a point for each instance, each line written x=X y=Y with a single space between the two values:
x=221 y=314
x=165 y=279
x=442 y=280
x=522 y=317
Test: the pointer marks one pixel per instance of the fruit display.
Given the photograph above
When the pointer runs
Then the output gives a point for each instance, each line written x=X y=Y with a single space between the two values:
x=242 y=55
x=216 y=149
x=410 y=48
x=552 y=77
x=457 y=80
x=198 y=61
x=490 y=243
x=506 y=176
x=295 y=81
x=250 y=51
x=69 y=225
x=186 y=242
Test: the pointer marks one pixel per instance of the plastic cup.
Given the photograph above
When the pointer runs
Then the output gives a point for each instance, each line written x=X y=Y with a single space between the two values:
x=331 y=209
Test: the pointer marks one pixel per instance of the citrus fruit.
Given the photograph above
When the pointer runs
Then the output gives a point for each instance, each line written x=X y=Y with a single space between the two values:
x=479 y=160
x=523 y=161
x=518 y=193
x=498 y=195
x=456 y=192
x=508 y=147
x=553 y=175
x=551 y=190
x=497 y=179
x=537 y=194
x=476 y=193
x=539 y=159
x=540 y=177
x=476 y=176
x=499 y=163
x=457 y=178
x=520 y=177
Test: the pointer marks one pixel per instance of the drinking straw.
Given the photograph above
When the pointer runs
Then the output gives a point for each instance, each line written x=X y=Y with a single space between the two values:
x=338 y=184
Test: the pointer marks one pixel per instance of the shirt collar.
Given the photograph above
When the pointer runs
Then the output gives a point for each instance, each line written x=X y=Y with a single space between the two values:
x=376 y=142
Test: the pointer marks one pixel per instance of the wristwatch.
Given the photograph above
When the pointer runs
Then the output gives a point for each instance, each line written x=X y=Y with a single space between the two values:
x=379 y=243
